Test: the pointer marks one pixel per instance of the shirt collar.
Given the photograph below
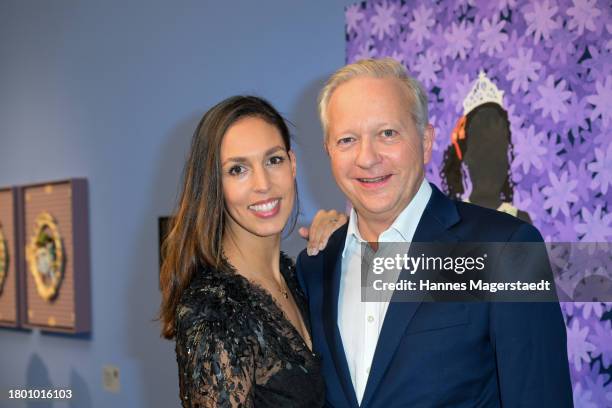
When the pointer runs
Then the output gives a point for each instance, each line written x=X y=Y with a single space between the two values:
x=405 y=224
x=353 y=236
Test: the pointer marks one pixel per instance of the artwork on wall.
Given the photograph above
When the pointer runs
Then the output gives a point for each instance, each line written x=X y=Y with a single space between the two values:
x=550 y=60
x=45 y=256
x=9 y=265
x=4 y=254
x=476 y=164
x=56 y=241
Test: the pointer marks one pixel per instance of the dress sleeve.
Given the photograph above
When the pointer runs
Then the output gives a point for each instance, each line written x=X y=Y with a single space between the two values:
x=216 y=362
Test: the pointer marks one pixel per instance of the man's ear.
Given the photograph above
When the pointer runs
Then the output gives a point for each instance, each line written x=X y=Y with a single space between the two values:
x=293 y=163
x=428 y=141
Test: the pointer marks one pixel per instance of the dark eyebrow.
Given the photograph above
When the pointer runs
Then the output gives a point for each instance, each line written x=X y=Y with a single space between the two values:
x=245 y=160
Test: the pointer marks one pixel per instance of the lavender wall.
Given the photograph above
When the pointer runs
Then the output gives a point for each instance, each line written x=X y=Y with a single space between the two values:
x=552 y=59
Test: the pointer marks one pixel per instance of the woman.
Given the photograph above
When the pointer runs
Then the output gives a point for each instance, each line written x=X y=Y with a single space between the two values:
x=230 y=297
x=481 y=141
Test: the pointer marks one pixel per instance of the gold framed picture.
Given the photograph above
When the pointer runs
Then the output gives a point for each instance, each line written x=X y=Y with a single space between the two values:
x=56 y=256
x=9 y=259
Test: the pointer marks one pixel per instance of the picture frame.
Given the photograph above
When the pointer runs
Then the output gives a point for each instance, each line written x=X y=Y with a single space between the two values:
x=10 y=266
x=56 y=261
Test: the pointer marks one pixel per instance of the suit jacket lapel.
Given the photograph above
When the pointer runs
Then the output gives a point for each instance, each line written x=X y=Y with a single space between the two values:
x=438 y=216
x=331 y=286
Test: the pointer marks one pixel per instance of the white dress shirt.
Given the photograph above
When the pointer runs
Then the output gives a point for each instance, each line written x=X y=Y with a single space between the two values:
x=360 y=323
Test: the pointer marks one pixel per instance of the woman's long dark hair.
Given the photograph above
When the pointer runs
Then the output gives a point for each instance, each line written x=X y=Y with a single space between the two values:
x=196 y=230
x=451 y=172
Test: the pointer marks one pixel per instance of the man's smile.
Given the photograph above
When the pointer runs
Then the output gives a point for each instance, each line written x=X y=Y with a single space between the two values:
x=373 y=182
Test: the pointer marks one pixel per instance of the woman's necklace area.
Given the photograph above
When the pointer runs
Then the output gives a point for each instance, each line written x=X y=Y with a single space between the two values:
x=284 y=292
x=272 y=283
x=269 y=283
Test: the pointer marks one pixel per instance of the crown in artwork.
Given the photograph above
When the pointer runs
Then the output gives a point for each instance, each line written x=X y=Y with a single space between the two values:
x=482 y=91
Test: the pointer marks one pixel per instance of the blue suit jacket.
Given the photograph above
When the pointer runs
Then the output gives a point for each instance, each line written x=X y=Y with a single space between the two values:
x=445 y=354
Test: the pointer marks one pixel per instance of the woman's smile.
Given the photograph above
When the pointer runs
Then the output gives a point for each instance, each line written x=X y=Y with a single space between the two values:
x=267 y=208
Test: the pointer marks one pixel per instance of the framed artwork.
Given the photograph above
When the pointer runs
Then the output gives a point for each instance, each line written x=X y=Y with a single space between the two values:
x=9 y=258
x=55 y=238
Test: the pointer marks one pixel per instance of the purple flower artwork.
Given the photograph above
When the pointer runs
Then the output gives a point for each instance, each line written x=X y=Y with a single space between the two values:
x=551 y=61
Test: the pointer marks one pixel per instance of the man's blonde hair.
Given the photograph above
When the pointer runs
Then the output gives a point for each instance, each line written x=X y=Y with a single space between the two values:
x=377 y=68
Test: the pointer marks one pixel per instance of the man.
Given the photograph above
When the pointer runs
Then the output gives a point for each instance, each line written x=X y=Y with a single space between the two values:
x=415 y=354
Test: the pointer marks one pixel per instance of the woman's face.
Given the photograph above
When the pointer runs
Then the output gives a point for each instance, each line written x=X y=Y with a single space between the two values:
x=258 y=178
x=487 y=153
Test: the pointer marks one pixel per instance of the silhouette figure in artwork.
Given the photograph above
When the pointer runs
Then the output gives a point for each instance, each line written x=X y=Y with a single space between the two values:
x=481 y=152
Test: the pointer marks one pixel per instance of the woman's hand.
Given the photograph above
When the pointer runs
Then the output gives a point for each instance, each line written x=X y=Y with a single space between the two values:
x=322 y=227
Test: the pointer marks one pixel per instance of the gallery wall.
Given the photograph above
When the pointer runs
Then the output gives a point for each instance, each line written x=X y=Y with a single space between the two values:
x=111 y=91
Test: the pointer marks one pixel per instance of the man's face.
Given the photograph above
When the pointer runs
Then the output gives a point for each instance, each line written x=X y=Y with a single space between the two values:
x=377 y=156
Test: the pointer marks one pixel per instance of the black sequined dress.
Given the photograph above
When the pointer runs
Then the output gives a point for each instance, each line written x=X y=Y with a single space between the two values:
x=236 y=348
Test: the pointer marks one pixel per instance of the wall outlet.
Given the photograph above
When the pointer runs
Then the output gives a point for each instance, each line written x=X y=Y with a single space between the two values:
x=110 y=378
